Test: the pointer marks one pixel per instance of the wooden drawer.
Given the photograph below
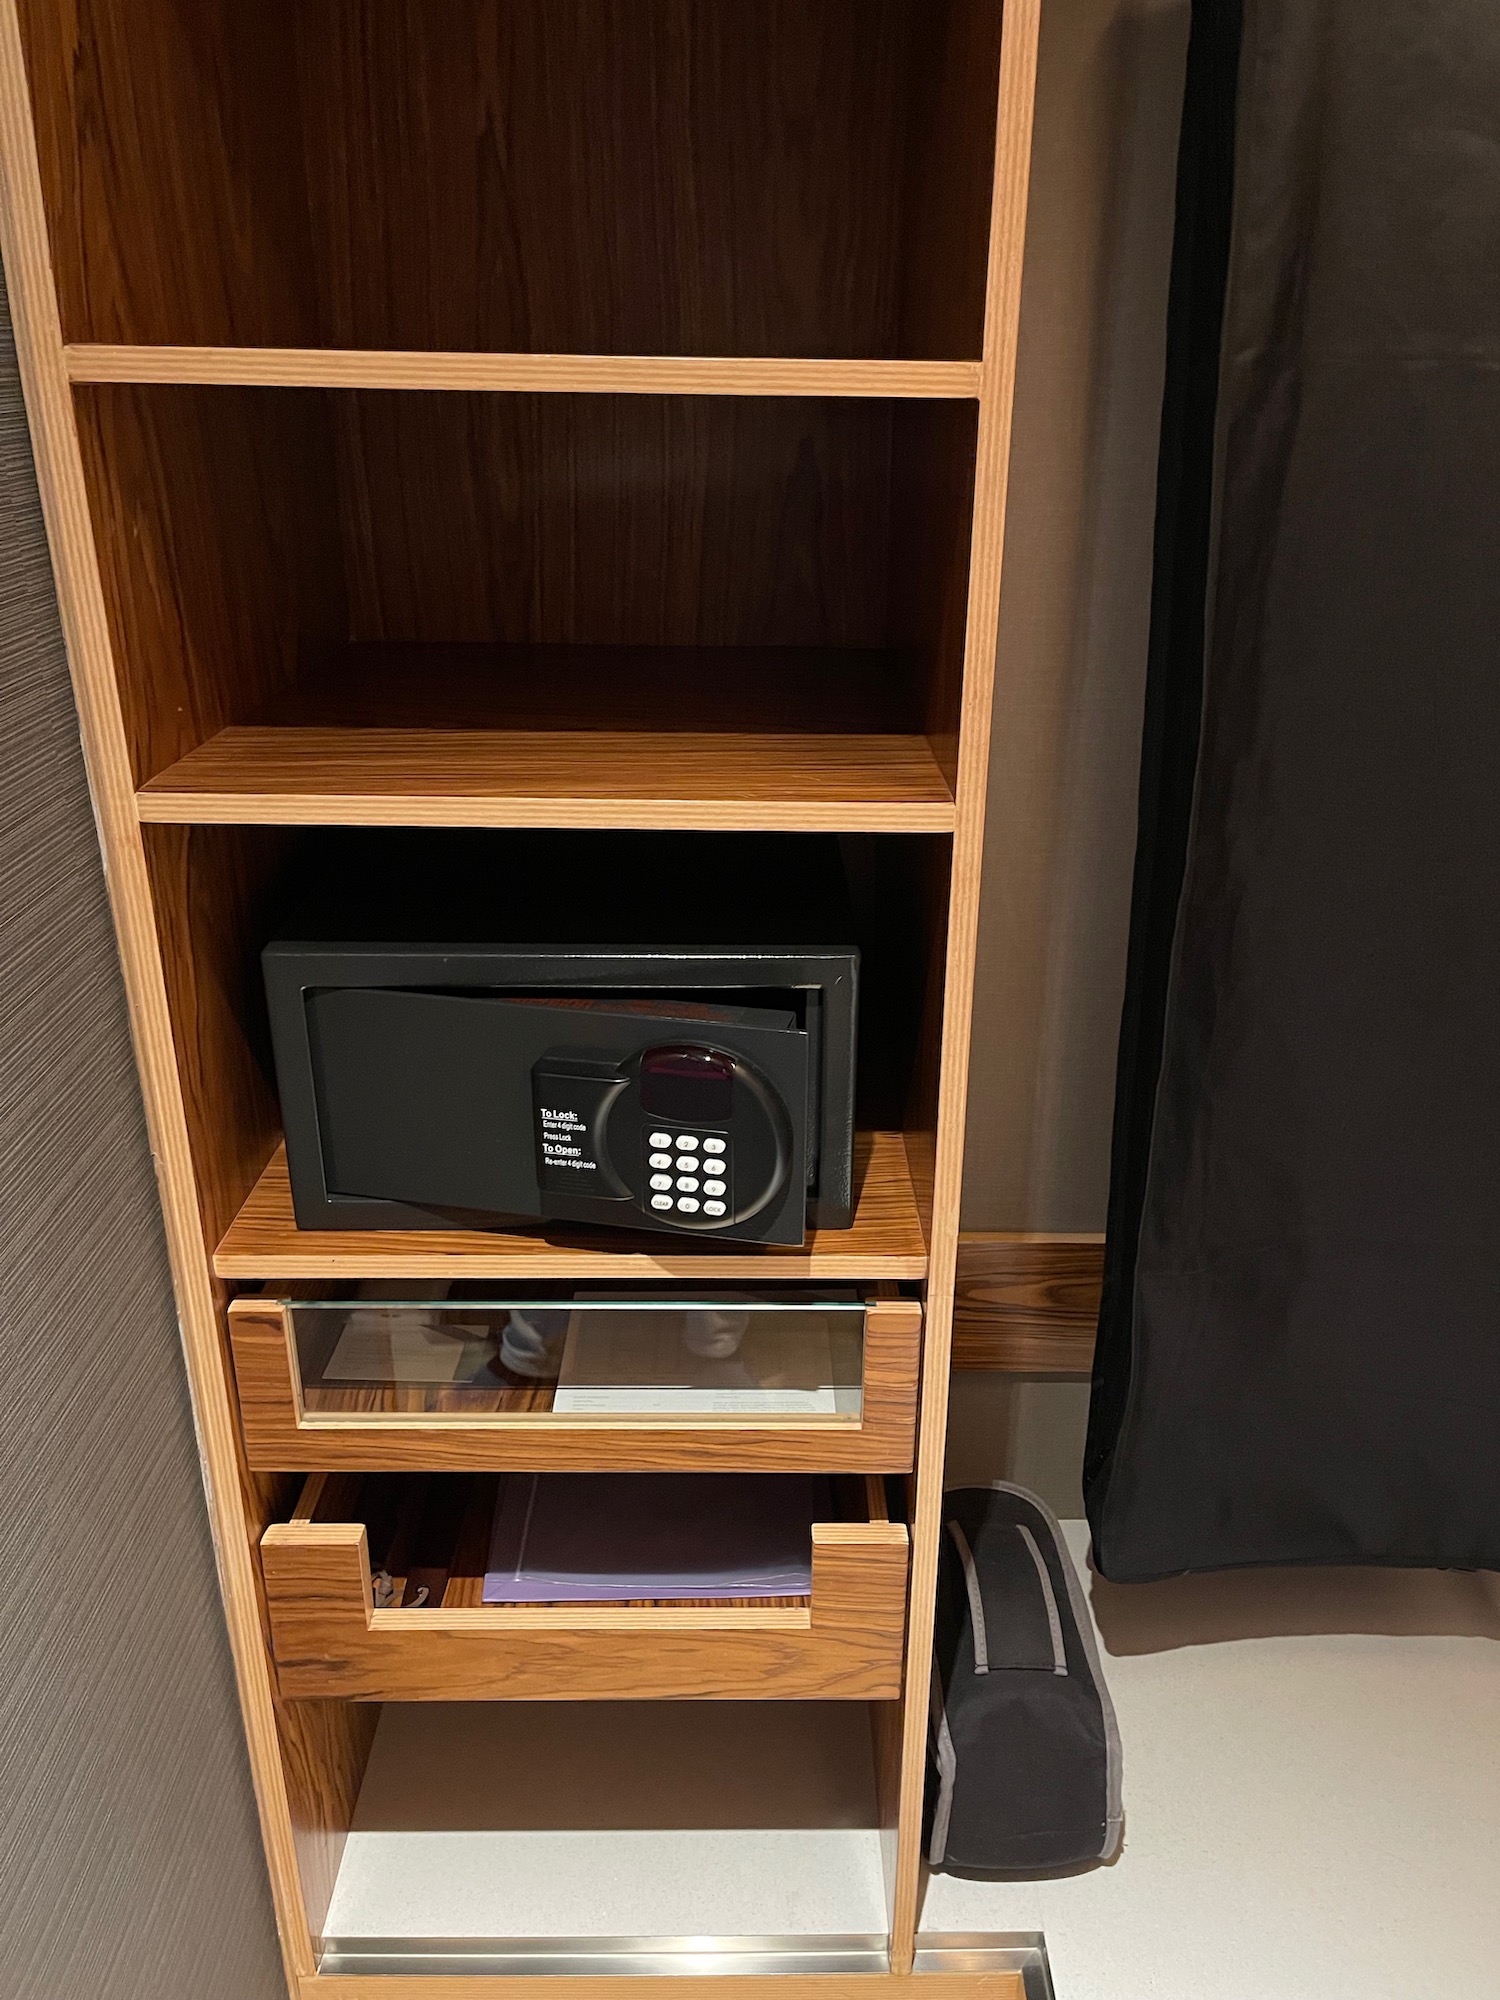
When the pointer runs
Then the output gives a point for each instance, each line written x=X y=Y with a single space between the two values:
x=293 y=1421
x=330 y=1639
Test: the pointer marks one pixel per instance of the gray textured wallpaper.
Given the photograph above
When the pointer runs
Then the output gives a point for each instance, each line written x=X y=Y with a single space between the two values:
x=129 y=1851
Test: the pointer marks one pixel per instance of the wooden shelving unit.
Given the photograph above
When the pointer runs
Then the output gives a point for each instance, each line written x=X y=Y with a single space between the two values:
x=508 y=415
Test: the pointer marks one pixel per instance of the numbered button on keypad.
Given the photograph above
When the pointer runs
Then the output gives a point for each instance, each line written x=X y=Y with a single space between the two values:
x=662 y=1181
x=686 y=1143
x=687 y=1184
x=661 y=1160
x=713 y=1187
x=715 y=1146
x=659 y=1139
x=687 y=1204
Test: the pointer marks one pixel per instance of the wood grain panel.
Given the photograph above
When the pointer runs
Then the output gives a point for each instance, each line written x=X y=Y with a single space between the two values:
x=668 y=690
x=886 y=1241
x=596 y=374
x=1017 y=92
x=1027 y=1303
x=434 y=777
x=648 y=176
x=216 y=521
x=329 y=1638
x=212 y=889
x=932 y=509
x=325 y=1746
x=671 y=1986
x=169 y=136
x=614 y=520
x=280 y=1434
x=949 y=178
x=636 y=176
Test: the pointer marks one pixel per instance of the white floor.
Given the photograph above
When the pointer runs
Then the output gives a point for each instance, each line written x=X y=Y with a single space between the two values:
x=1312 y=1795
x=602 y=1819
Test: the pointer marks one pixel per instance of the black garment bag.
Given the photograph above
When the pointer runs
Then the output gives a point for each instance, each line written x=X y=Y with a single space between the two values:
x=1299 y=1349
x=1024 y=1765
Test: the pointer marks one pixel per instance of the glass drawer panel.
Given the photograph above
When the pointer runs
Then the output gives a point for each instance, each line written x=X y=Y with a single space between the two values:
x=696 y=1357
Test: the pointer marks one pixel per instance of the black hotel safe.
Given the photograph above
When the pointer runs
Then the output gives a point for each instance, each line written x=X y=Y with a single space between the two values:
x=652 y=1031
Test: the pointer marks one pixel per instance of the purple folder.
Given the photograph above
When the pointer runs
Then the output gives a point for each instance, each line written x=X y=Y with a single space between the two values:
x=606 y=1537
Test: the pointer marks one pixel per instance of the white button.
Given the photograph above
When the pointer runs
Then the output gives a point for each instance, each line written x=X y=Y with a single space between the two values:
x=660 y=1139
x=685 y=1144
x=713 y=1187
x=686 y=1184
x=713 y=1208
x=661 y=1159
x=661 y=1180
x=687 y=1204
x=714 y=1146
x=661 y=1201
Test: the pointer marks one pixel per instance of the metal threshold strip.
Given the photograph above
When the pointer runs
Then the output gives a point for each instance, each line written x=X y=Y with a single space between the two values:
x=979 y=1952
x=574 y=1957
x=937 y=1951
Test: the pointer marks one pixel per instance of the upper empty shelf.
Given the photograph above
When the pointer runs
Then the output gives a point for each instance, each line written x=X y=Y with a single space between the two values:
x=374 y=604
x=610 y=177
x=778 y=739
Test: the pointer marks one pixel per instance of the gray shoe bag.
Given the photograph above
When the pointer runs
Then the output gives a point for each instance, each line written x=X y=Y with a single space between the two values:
x=1024 y=1766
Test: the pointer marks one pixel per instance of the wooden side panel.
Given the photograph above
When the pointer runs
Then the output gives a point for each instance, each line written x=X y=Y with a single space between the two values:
x=950 y=174
x=883 y=1441
x=992 y=462
x=330 y=1640
x=325 y=1746
x=933 y=504
x=210 y=888
x=215 y=520
x=169 y=138
x=1026 y=1303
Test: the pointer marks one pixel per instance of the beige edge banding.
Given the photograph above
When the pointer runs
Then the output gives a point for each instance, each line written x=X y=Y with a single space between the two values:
x=621 y=374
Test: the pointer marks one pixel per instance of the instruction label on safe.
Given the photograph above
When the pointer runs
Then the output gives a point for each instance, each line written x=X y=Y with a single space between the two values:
x=570 y=1111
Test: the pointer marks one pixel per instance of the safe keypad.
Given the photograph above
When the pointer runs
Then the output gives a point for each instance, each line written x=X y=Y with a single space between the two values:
x=688 y=1174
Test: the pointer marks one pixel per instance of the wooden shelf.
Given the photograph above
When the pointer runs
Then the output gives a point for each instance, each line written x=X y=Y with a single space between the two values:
x=886 y=1241
x=439 y=777
x=595 y=374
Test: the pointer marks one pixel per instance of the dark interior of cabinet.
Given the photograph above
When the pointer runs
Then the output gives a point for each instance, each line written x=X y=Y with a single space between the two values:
x=754 y=177
x=363 y=558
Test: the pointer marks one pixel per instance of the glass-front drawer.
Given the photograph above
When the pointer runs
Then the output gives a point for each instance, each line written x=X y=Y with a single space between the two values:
x=382 y=1376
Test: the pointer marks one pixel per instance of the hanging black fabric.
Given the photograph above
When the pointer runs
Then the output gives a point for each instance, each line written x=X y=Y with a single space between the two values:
x=1299 y=1350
